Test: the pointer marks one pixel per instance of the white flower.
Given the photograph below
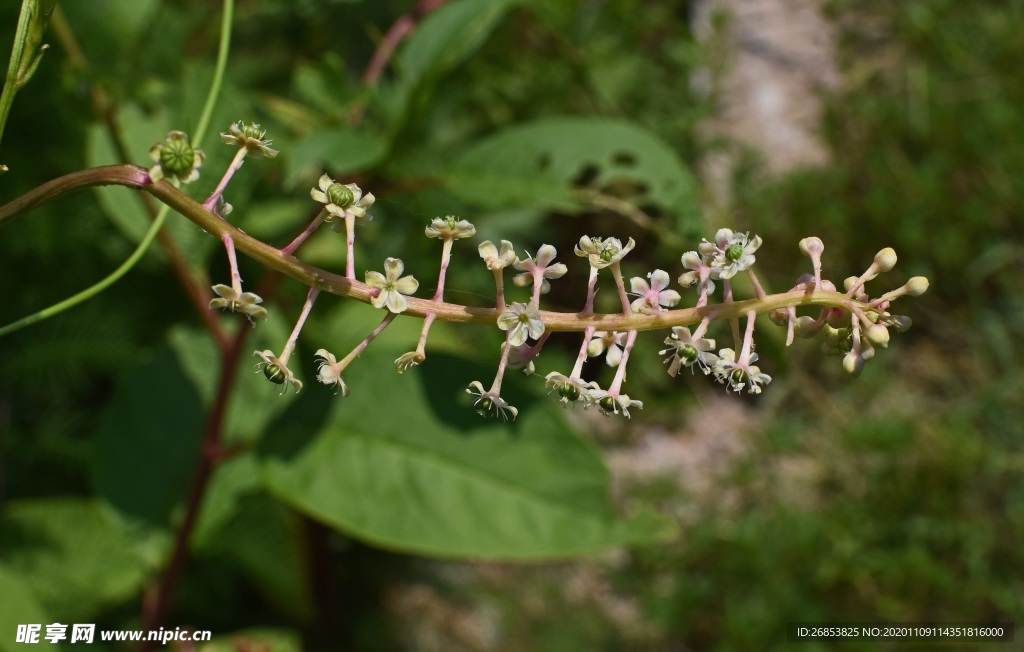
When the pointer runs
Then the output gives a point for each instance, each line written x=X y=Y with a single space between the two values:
x=522 y=321
x=392 y=288
x=541 y=265
x=730 y=253
x=330 y=371
x=341 y=200
x=603 y=252
x=490 y=404
x=569 y=390
x=407 y=361
x=737 y=376
x=494 y=259
x=613 y=403
x=687 y=351
x=246 y=303
x=449 y=228
x=277 y=371
x=607 y=341
x=693 y=262
x=653 y=296
x=252 y=137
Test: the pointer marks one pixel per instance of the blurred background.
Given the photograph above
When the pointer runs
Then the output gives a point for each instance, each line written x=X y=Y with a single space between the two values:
x=896 y=496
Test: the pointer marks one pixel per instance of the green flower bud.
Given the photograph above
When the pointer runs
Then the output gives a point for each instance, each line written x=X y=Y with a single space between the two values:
x=274 y=374
x=340 y=195
x=569 y=392
x=176 y=155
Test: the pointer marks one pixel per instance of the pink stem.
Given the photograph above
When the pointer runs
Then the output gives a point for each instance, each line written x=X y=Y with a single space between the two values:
x=727 y=298
x=229 y=246
x=748 y=340
x=620 y=373
x=758 y=290
x=287 y=251
x=588 y=332
x=293 y=338
x=627 y=310
x=236 y=163
x=350 y=235
x=356 y=352
x=496 y=385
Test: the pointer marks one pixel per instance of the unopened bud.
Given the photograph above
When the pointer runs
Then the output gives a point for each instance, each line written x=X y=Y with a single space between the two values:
x=812 y=247
x=853 y=363
x=878 y=335
x=885 y=259
x=850 y=282
x=806 y=327
x=917 y=286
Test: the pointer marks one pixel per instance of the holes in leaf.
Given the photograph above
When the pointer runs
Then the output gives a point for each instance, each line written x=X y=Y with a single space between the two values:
x=586 y=176
x=624 y=159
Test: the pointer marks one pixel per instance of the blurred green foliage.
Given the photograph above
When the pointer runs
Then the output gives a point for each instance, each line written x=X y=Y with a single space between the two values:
x=893 y=497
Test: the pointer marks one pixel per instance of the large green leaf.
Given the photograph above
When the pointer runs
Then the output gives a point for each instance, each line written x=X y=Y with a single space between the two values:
x=147 y=446
x=72 y=556
x=249 y=411
x=405 y=464
x=447 y=36
x=541 y=163
x=340 y=150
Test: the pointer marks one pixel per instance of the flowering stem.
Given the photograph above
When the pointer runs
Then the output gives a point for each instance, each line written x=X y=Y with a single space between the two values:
x=588 y=332
x=748 y=340
x=733 y=321
x=627 y=310
x=347 y=360
x=350 y=237
x=294 y=337
x=496 y=385
x=705 y=276
x=499 y=288
x=236 y=163
x=620 y=372
x=702 y=327
x=299 y=239
x=758 y=290
x=446 y=255
x=229 y=246
x=271 y=257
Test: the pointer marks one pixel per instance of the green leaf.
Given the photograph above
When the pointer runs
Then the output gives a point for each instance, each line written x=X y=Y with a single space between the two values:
x=264 y=538
x=405 y=464
x=139 y=132
x=342 y=151
x=541 y=164
x=70 y=554
x=447 y=36
x=18 y=606
x=147 y=446
x=254 y=402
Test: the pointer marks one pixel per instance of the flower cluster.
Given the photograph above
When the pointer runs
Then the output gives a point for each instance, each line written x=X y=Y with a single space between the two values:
x=853 y=325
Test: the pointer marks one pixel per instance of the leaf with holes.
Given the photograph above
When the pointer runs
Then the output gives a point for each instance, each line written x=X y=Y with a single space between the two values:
x=547 y=163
